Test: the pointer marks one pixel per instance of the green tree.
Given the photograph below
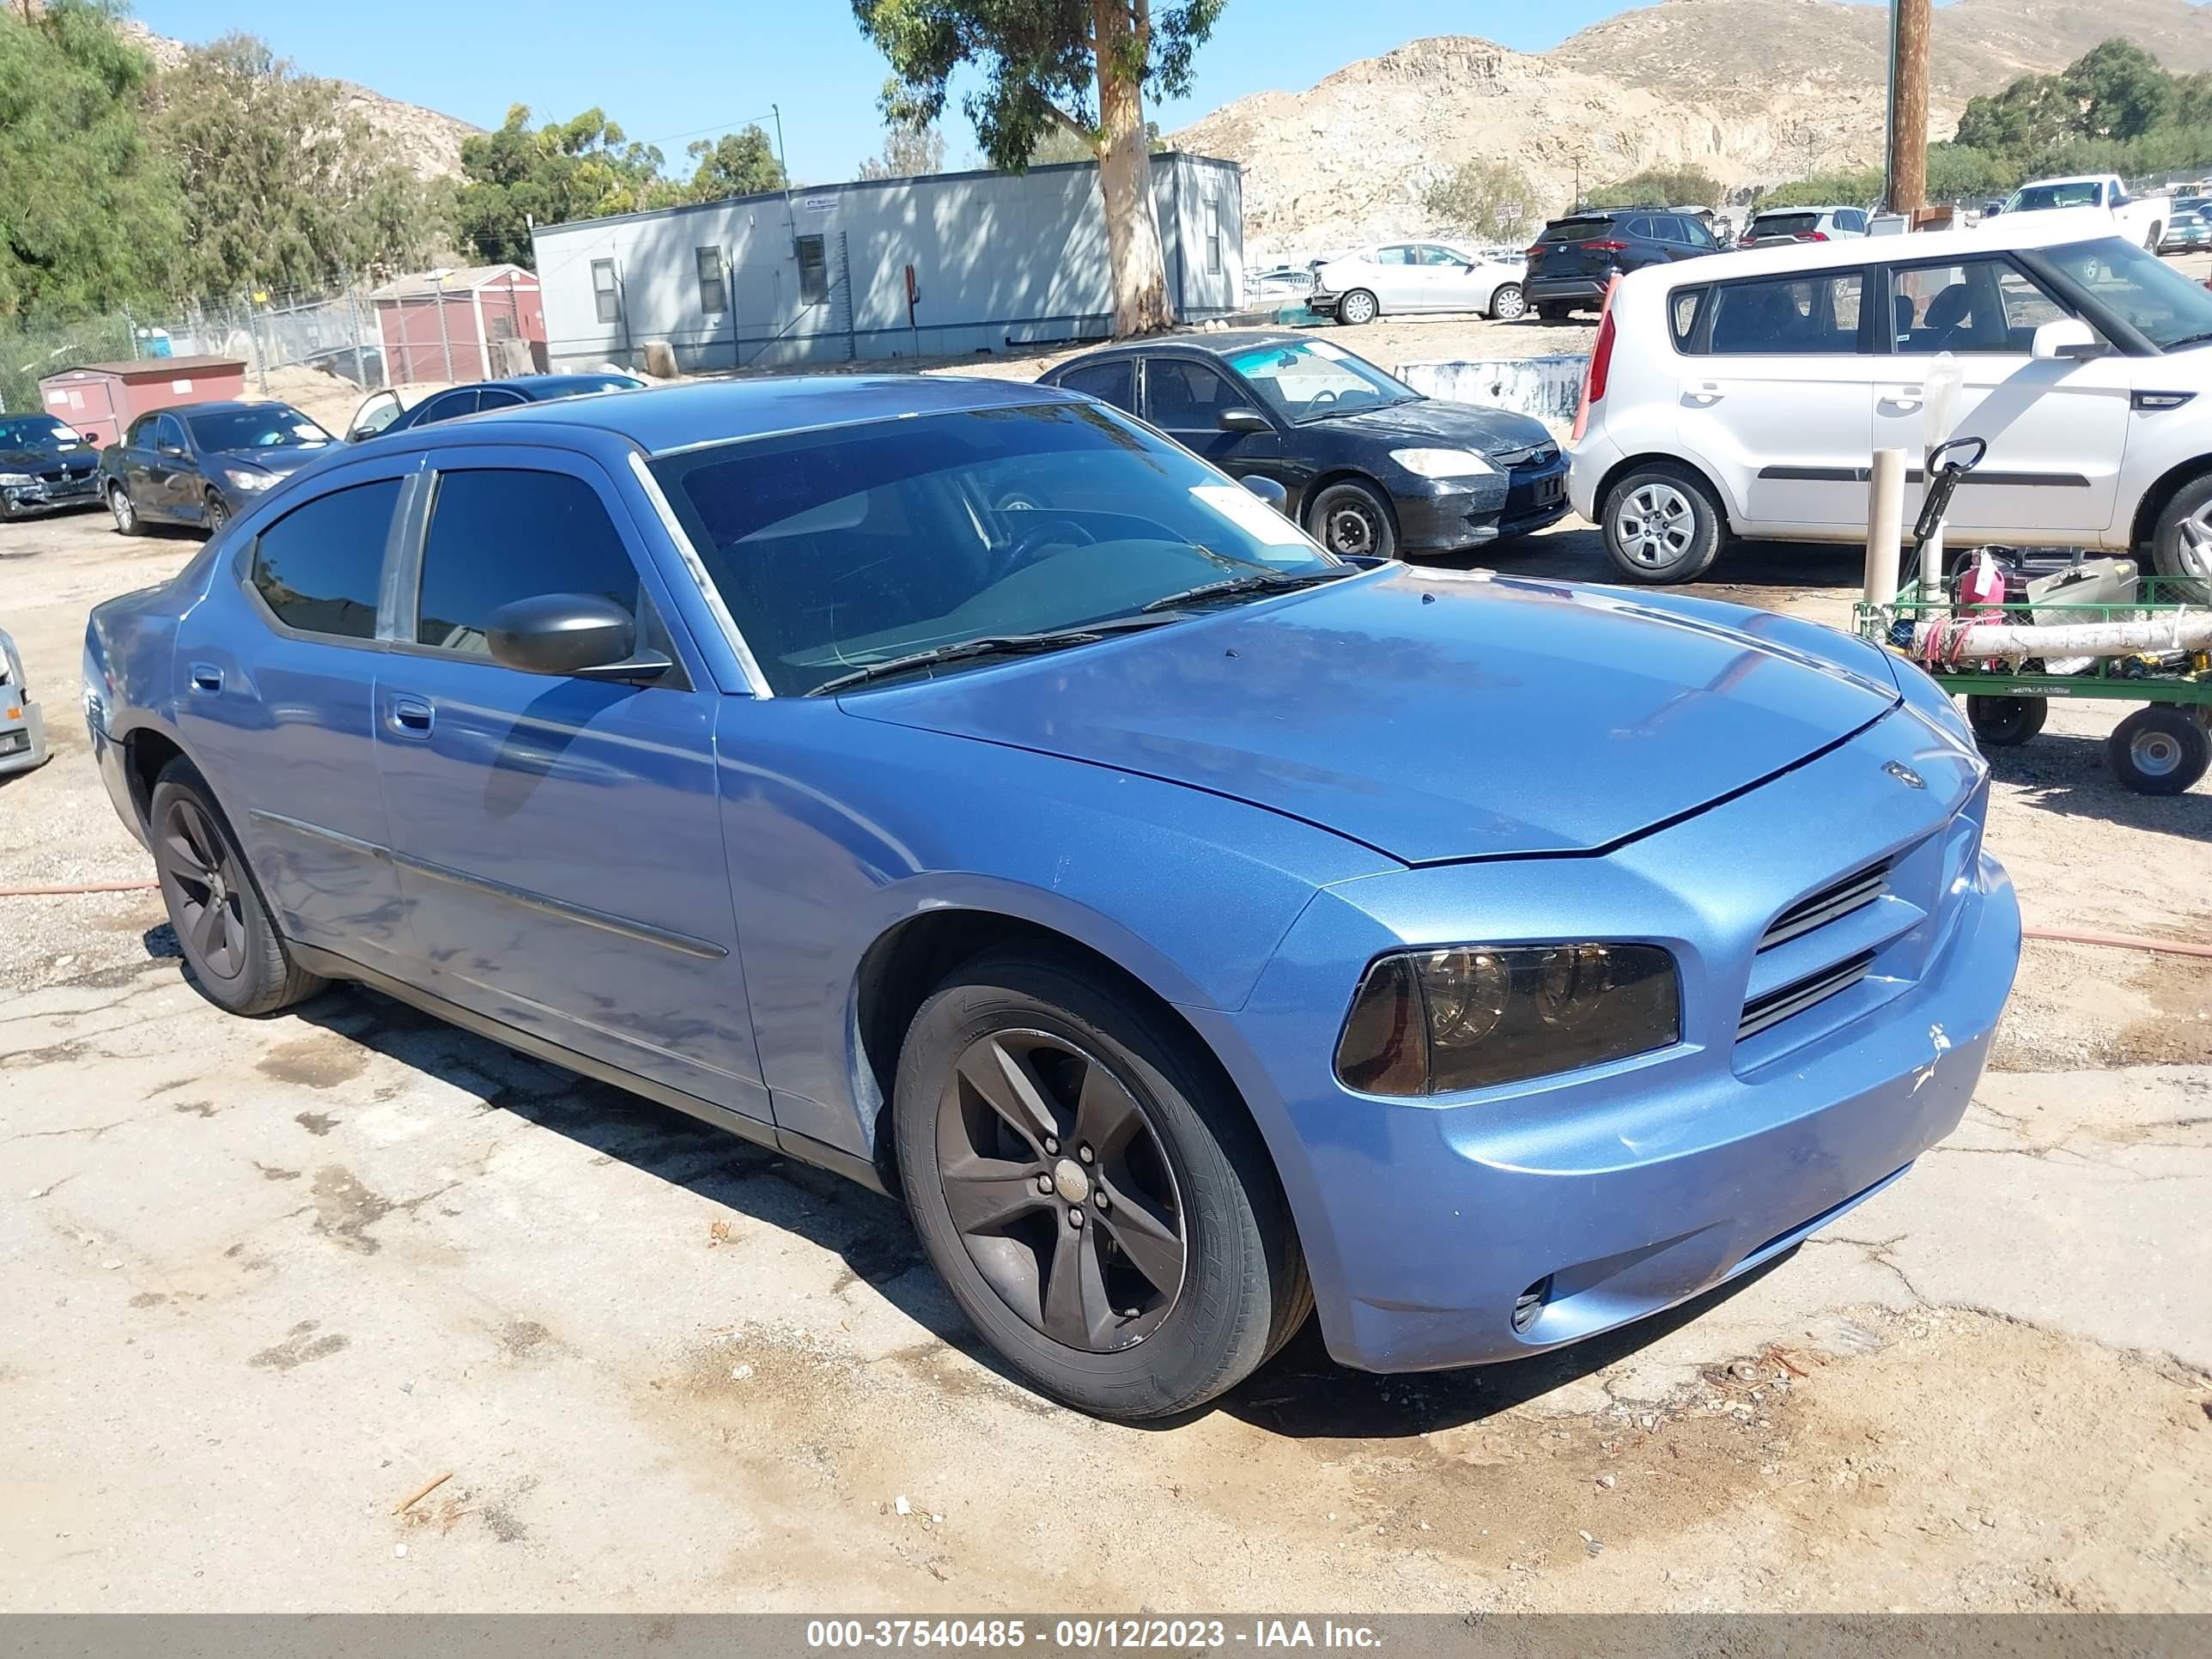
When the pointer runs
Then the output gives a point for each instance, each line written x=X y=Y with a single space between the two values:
x=2031 y=115
x=280 y=186
x=2119 y=91
x=740 y=163
x=88 y=208
x=1055 y=145
x=1083 y=66
x=581 y=168
x=909 y=151
x=1485 y=199
x=1677 y=186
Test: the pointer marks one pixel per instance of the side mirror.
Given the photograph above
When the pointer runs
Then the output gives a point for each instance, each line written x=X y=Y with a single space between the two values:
x=1242 y=420
x=1268 y=490
x=572 y=634
x=2067 y=337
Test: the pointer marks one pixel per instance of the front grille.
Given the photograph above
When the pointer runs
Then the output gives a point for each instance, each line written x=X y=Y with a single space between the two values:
x=1540 y=455
x=1832 y=902
x=1795 y=997
x=67 y=472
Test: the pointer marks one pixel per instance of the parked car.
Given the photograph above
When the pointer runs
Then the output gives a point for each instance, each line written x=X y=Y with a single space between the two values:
x=45 y=467
x=2189 y=230
x=1574 y=258
x=1368 y=465
x=2141 y=219
x=1808 y=224
x=1745 y=393
x=361 y=364
x=22 y=727
x=382 y=412
x=200 y=463
x=1395 y=278
x=1191 y=928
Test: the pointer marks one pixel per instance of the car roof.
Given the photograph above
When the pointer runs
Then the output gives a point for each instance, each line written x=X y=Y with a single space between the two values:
x=660 y=419
x=2050 y=228
x=2069 y=179
x=1210 y=344
x=1835 y=207
x=224 y=406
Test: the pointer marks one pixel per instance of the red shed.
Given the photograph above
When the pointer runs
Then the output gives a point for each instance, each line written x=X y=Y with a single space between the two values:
x=100 y=399
x=458 y=325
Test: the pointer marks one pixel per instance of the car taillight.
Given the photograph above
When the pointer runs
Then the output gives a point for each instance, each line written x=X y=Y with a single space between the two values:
x=1532 y=250
x=1812 y=236
x=1605 y=247
x=1600 y=362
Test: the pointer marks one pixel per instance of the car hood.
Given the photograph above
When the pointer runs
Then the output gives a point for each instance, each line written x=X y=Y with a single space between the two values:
x=1433 y=716
x=1434 y=420
x=30 y=460
x=282 y=460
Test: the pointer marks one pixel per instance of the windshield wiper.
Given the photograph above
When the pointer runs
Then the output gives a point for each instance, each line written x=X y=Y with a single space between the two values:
x=1273 y=582
x=2187 y=340
x=990 y=644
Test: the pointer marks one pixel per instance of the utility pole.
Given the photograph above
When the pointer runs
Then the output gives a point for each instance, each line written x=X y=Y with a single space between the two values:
x=790 y=224
x=1905 y=175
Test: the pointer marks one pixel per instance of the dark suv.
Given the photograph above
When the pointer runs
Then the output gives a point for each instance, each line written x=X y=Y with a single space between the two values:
x=1574 y=257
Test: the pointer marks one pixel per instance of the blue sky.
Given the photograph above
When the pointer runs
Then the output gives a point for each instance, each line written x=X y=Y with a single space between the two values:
x=670 y=70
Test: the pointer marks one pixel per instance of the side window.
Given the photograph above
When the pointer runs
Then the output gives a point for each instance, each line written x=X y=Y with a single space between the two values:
x=1395 y=256
x=1788 y=315
x=605 y=296
x=446 y=405
x=1637 y=228
x=1183 y=396
x=169 y=433
x=1433 y=255
x=813 y=271
x=1670 y=229
x=1850 y=218
x=141 y=432
x=499 y=535
x=1978 y=304
x=713 y=292
x=1683 y=314
x=319 y=567
x=1115 y=382
x=497 y=398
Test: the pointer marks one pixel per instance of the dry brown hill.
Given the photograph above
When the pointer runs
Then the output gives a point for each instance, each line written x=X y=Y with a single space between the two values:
x=1750 y=90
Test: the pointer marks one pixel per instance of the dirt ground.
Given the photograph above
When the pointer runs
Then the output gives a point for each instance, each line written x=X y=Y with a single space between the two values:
x=264 y=1279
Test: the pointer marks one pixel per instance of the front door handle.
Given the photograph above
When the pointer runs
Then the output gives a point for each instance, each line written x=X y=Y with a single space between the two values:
x=207 y=679
x=412 y=718
x=1905 y=402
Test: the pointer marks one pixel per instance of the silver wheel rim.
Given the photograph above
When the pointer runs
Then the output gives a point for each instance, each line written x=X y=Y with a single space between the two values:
x=1655 y=525
x=2193 y=545
x=1508 y=305
x=1358 y=308
x=2155 y=754
x=1348 y=527
x=118 y=503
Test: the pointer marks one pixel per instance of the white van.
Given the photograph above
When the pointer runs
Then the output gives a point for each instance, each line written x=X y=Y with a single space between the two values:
x=1745 y=393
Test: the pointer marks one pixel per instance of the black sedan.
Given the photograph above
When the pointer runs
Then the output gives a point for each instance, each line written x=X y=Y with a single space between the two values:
x=1371 y=466
x=46 y=464
x=381 y=413
x=200 y=463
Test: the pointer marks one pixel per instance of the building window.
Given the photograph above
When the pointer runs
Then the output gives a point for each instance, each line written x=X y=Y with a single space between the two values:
x=1213 y=238
x=604 y=293
x=714 y=291
x=813 y=271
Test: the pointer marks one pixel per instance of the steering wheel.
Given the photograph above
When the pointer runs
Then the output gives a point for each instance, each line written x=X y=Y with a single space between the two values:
x=1025 y=547
x=1325 y=395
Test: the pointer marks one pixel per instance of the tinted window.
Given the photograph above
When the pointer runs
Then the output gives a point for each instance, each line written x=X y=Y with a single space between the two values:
x=265 y=426
x=168 y=432
x=318 y=568
x=497 y=399
x=446 y=405
x=501 y=535
x=141 y=434
x=1789 y=315
x=1850 y=218
x=1575 y=230
x=1784 y=224
x=1639 y=228
x=1699 y=233
x=1669 y=230
x=1116 y=382
x=1184 y=396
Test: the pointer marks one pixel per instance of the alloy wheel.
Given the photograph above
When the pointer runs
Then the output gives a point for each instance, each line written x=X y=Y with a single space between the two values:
x=1655 y=526
x=1508 y=304
x=1356 y=307
x=2192 y=544
x=209 y=914
x=1060 y=1191
x=124 y=509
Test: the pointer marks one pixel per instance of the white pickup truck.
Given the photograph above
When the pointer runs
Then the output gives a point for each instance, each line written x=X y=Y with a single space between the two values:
x=2141 y=219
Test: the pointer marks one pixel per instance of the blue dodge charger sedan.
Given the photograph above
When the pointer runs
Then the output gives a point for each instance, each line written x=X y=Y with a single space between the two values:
x=958 y=786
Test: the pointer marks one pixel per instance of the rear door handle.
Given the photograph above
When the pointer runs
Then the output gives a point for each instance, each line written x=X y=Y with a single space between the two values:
x=411 y=717
x=1903 y=402
x=1708 y=392
x=207 y=679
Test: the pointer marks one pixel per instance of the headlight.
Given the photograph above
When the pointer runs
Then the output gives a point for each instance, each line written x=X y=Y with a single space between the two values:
x=1431 y=1021
x=1441 y=463
x=11 y=479
x=242 y=479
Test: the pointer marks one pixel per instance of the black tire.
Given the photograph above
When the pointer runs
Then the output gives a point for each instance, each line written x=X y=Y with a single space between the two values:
x=1353 y=518
x=1507 y=303
x=2002 y=722
x=1551 y=311
x=230 y=942
x=2151 y=241
x=2161 y=749
x=1198 y=1190
x=217 y=511
x=125 y=510
x=1677 y=522
x=1357 y=309
x=2181 y=544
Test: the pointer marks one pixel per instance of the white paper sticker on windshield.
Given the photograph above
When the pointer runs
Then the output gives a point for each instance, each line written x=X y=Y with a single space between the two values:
x=1249 y=514
x=1335 y=354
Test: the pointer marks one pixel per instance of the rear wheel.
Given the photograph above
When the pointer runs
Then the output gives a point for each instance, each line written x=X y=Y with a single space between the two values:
x=1351 y=519
x=1094 y=1196
x=127 y=522
x=1551 y=311
x=1661 y=523
x=229 y=940
x=2159 y=750
x=2002 y=722
x=1356 y=307
x=1507 y=303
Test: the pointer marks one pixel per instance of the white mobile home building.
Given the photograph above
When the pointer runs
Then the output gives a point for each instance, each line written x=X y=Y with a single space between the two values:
x=947 y=266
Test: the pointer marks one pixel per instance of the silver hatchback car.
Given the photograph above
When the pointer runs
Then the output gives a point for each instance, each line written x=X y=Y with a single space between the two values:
x=22 y=729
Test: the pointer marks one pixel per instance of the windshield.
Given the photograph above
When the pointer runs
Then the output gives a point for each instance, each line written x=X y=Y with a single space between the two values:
x=2035 y=197
x=2144 y=291
x=833 y=550
x=1312 y=379
x=267 y=426
x=36 y=432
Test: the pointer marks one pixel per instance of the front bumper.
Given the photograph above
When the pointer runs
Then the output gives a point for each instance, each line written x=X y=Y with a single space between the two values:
x=23 y=737
x=23 y=500
x=1626 y=1188
x=1445 y=515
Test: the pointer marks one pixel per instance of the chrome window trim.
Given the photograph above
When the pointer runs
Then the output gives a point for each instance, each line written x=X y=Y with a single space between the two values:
x=756 y=682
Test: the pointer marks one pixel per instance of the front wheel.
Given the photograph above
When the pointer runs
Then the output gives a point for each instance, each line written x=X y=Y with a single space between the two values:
x=218 y=513
x=127 y=522
x=2005 y=722
x=1356 y=307
x=2159 y=750
x=1508 y=304
x=1093 y=1194
x=1661 y=523
x=1553 y=312
x=2181 y=544
x=1351 y=520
